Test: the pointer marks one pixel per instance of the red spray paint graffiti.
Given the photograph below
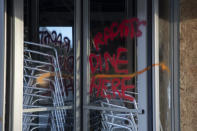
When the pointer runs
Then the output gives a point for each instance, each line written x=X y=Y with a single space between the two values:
x=124 y=29
x=114 y=60
x=127 y=28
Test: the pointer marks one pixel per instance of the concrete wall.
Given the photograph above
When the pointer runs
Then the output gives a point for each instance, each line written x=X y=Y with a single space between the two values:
x=188 y=64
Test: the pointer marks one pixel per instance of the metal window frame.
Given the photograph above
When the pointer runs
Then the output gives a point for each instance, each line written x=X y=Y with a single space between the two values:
x=142 y=62
x=86 y=72
x=155 y=70
x=16 y=86
x=175 y=74
x=77 y=65
x=3 y=62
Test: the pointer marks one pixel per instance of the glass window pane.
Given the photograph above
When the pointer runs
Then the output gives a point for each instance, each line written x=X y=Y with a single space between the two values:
x=165 y=58
x=113 y=91
x=48 y=92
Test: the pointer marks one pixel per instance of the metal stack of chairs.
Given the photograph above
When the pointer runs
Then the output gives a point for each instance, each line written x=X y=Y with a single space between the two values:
x=119 y=120
x=43 y=89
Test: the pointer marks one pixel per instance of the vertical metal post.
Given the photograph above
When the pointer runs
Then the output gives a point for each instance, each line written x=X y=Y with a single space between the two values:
x=17 y=67
x=175 y=67
x=77 y=66
x=142 y=85
x=86 y=74
x=130 y=43
x=155 y=60
x=2 y=63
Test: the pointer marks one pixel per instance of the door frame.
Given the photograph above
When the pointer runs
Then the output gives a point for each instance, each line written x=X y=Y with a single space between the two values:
x=3 y=62
x=15 y=59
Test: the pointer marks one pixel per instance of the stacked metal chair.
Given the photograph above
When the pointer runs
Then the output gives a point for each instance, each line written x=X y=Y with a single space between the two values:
x=41 y=60
x=119 y=120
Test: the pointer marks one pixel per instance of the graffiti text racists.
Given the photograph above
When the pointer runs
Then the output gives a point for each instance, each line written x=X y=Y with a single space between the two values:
x=124 y=29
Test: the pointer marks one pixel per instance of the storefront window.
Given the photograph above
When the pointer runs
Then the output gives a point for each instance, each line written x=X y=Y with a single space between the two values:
x=90 y=65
